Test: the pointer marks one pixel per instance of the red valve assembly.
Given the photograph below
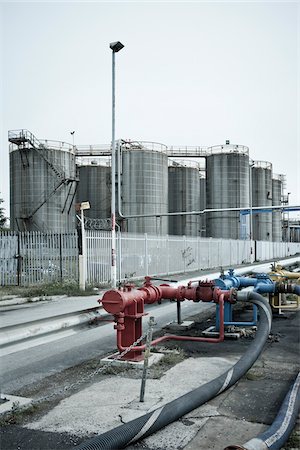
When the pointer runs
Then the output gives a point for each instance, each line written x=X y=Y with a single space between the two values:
x=127 y=306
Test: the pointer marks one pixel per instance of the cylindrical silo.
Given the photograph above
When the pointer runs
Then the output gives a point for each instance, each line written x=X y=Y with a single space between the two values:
x=42 y=184
x=227 y=186
x=144 y=186
x=184 y=195
x=202 y=218
x=276 y=201
x=262 y=196
x=95 y=187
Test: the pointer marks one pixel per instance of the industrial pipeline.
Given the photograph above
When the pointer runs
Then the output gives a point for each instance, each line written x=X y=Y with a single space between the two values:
x=127 y=306
x=153 y=421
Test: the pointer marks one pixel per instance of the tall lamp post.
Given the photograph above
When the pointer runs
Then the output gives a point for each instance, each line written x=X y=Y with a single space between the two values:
x=115 y=47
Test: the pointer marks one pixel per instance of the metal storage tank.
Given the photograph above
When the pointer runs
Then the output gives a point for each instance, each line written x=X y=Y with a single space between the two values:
x=262 y=196
x=202 y=218
x=95 y=187
x=144 y=190
x=227 y=186
x=184 y=195
x=276 y=201
x=42 y=183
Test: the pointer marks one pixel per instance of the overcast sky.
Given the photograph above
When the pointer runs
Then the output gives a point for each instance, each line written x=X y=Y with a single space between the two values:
x=191 y=73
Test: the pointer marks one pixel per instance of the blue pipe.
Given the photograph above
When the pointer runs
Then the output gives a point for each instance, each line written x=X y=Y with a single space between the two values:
x=278 y=433
x=262 y=284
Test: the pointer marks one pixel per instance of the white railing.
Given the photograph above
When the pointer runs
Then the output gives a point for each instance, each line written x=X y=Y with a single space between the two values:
x=28 y=258
x=143 y=254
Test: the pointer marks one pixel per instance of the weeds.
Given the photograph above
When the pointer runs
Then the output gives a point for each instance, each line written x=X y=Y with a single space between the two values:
x=69 y=288
x=17 y=414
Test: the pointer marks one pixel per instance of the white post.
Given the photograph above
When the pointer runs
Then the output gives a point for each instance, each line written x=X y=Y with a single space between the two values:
x=82 y=257
x=251 y=215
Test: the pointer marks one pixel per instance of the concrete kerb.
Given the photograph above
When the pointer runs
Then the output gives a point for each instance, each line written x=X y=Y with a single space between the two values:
x=21 y=300
x=43 y=327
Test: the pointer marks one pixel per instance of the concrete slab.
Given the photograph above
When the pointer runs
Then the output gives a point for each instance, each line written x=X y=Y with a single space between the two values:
x=116 y=400
x=218 y=432
x=154 y=358
x=211 y=332
x=185 y=325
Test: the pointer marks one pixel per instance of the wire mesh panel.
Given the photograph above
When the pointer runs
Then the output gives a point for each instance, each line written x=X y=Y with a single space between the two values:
x=48 y=257
x=27 y=258
x=133 y=256
x=98 y=244
x=8 y=258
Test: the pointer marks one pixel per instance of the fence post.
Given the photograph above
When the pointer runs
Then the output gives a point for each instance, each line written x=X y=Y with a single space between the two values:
x=19 y=261
x=146 y=253
x=60 y=257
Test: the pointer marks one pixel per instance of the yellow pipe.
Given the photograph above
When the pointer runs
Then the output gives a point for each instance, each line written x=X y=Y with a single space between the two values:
x=279 y=274
x=276 y=303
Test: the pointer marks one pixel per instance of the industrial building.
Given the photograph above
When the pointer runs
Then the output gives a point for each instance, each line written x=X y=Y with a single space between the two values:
x=48 y=177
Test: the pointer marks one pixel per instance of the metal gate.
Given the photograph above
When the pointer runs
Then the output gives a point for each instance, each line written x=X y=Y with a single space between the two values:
x=27 y=258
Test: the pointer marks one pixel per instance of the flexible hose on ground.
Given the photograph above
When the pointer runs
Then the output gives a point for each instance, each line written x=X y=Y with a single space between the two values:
x=278 y=433
x=153 y=421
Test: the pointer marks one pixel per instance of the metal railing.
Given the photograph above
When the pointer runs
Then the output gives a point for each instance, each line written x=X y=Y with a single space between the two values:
x=28 y=258
x=262 y=165
x=23 y=136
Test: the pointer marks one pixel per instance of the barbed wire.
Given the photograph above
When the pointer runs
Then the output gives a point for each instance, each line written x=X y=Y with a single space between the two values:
x=97 y=224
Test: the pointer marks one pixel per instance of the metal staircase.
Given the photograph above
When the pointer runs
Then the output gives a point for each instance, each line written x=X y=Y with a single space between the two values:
x=25 y=140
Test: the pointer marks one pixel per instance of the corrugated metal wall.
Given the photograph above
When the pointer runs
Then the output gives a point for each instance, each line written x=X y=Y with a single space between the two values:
x=39 y=199
x=262 y=196
x=227 y=186
x=145 y=189
x=95 y=187
x=184 y=195
x=276 y=215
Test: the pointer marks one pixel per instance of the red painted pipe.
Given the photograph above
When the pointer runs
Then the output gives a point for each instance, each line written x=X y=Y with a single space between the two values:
x=180 y=338
x=115 y=301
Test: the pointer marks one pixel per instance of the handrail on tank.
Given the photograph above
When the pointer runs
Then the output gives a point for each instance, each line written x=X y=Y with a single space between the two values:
x=57 y=145
x=144 y=145
x=185 y=163
x=262 y=165
x=278 y=176
x=228 y=148
x=93 y=150
x=186 y=150
x=16 y=137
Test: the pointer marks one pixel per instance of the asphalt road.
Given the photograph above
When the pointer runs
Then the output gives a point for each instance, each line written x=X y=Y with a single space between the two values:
x=30 y=365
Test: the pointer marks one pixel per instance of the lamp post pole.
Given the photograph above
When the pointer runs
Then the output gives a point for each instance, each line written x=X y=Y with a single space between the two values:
x=115 y=47
x=251 y=212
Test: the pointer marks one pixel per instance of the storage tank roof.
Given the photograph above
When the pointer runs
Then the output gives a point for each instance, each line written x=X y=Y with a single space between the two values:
x=262 y=165
x=228 y=148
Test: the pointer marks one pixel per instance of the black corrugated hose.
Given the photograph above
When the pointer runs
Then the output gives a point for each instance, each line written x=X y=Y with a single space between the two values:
x=278 y=433
x=153 y=421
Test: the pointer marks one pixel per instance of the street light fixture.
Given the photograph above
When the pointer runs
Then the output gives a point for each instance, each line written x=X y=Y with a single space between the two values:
x=115 y=47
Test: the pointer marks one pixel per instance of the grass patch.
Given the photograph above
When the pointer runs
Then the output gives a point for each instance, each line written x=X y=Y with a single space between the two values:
x=172 y=358
x=69 y=288
x=17 y=414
